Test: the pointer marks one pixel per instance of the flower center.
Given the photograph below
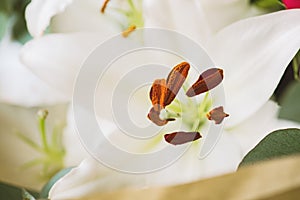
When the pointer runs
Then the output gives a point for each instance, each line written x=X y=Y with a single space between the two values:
x=133 y=14
x=193 y=115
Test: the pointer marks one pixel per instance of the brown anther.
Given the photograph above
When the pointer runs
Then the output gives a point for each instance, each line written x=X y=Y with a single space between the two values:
x=217 y=114
x=163 y=92
x=128 y=31
x=206 y=81
x=154 y=117
x=104 y=5
x=182 y=137
x=158 y=94
x=175 y=81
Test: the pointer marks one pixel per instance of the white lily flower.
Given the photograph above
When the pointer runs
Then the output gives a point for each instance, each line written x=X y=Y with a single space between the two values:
x=253 y=57
x=16 y=154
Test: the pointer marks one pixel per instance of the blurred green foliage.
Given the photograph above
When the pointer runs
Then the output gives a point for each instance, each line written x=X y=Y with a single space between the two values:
x=269 y=5
x=290 y=103
x=12 y=16
x=10 y=192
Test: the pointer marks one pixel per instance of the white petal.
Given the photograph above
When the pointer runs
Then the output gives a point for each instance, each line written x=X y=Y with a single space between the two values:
x=56 y=58
x=75 y=152
x=222 y=13
x=223 y=159
x=39 y=13
x=85 y=15
x=18 y=85
x=253 y=130
x=14 y=152
x=186 y=17
x=254 y=54
x=91 y=178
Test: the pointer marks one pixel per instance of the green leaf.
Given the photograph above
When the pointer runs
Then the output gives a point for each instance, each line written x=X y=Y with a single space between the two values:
x=10 y=192
x=45 y=191
x=290 y=103
x=270 y=5
x=278 y=143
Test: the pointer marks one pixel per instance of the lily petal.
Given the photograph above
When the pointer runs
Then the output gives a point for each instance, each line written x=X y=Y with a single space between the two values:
x=74 y=18
x=187 y=17
x=75 y=152
x=196 y=19
x=16 y=81
x=254 y=54
x=89 y=178
x=222 y=13
x=250 y=133
x=39 y=13
x=223 y=159
x=56 y=58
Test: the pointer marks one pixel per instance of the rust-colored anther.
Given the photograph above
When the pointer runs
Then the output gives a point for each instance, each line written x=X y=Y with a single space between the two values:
x=153 y=115
x=163 y=92
x=128 y=31
x=206 y=81
x=217 y=114
x=182 y=137
x=158 y=94
x=104 y=5
x=175 y=81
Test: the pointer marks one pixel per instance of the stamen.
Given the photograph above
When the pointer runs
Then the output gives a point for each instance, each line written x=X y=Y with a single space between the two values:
x=128 y=31
x=182 y=137
x=154 y=117
x=158 y=94
x=104 y=6
x=175 y=81
x=207 y=81
x=217 y=114
x=163 y=92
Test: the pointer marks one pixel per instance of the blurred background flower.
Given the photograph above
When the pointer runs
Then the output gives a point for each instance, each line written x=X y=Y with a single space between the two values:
x=22 y=94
